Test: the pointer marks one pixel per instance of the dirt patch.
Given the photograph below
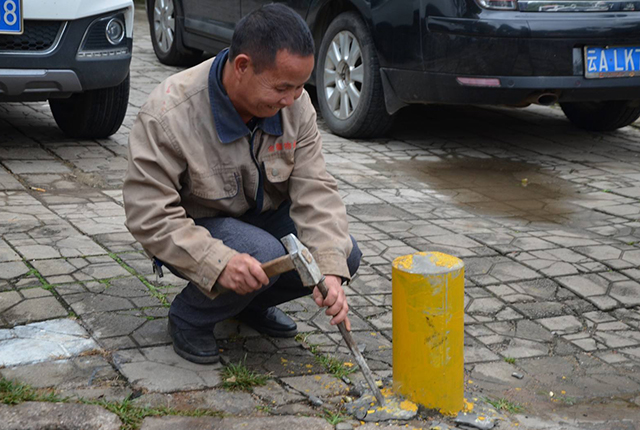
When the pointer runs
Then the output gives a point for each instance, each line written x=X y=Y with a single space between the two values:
x=93 y=180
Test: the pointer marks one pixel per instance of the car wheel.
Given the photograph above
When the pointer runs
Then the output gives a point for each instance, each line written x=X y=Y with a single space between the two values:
x=348 y=81
x=166 y=34
x=602 y=116
x=92 y=114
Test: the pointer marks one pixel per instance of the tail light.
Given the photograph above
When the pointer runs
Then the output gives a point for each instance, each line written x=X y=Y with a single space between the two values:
x=499 y=4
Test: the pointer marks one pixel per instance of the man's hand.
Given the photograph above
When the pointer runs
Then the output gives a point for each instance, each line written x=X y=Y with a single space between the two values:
x=243 y=274
x=336 y=301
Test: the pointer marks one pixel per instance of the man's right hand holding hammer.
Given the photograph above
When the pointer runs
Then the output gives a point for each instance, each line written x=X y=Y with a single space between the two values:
x=243 y=274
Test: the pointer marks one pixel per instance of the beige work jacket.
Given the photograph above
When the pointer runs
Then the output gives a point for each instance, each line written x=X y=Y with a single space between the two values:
x=179 y=170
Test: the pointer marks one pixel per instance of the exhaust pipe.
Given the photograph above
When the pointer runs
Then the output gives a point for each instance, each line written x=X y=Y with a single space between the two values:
x=546 y=99
x=538 y=98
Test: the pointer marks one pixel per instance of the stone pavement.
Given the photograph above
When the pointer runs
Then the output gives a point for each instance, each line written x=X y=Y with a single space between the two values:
x=546 y=218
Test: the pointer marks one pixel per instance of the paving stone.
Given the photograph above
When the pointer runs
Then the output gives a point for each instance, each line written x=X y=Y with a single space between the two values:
x=263 y=423
x=586 y=285
x=6 y=253
x=32 y=310
x=63 y=374
x=36 y=166
x=563 y=324
x=87 y=302
x=560 y=262
x=475 y=352
x=225 y=401
x=277 y=395
x=12 y=270
x=43 y=341
x=493 y=270
x=160 y=369
x=67 y=416
x=318 y=385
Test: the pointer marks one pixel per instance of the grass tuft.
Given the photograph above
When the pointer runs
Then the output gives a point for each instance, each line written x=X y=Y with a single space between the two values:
x=334 y=366
x=510 y=360
x=13 y=393
x=239 y=377
x=503 y=404
x=334 y=418
x=132 y=415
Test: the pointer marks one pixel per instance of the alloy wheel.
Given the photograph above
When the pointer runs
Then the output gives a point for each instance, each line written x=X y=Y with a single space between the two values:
x=343 y=75
x=164 y=24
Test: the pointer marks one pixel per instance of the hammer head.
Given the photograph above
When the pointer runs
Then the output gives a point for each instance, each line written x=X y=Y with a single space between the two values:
x=303 y=261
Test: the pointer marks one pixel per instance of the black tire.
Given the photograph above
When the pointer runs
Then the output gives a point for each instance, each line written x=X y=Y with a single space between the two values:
x=602 y=116
x=370 y=117
x=94 y=114
x=178 y=54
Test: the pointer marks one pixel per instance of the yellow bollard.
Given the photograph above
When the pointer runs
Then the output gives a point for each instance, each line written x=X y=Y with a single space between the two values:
x=428 y=330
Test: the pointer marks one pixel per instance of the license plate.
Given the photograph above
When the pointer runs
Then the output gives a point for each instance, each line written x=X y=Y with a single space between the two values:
x=611 y=62
x=11 y=17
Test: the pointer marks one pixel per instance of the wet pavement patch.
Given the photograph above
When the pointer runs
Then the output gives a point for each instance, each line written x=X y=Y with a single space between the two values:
x=493 y=186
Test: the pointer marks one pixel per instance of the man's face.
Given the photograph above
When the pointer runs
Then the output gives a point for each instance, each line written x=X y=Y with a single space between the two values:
x=276 y=87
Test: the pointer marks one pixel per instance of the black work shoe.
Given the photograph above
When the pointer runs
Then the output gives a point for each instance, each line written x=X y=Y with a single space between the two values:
x=197 y=346
x=271 y=321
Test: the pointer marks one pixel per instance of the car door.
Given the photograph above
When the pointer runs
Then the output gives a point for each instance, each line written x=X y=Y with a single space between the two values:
x=212 y=19
x=300 y=6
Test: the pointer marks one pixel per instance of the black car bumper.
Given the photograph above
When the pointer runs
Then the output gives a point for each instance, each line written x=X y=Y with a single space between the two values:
x=408 y=87
x=30 y=73
x=523 y=56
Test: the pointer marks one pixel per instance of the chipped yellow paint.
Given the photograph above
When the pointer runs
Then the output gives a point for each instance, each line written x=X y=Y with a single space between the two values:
x=392 y=403
x=467 y=406
x=428 y=330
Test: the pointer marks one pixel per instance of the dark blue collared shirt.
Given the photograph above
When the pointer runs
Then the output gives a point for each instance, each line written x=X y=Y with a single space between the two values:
x=229 y=124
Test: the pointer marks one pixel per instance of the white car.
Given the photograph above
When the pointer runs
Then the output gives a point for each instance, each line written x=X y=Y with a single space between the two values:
x=73 y=53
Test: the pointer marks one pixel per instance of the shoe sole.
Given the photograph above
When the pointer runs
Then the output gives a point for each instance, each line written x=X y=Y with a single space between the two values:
x=196 y=358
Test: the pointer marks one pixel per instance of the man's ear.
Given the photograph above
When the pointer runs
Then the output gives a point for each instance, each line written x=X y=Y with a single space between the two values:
x=241 y=65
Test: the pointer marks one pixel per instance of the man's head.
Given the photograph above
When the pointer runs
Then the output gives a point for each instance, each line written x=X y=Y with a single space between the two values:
x=270 y=59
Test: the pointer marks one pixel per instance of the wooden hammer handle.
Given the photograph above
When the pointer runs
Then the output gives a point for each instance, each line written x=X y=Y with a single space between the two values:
x=278 y=266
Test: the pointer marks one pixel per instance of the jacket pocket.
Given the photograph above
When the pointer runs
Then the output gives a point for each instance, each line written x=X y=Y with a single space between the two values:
x=218 y=185
x=278 y=169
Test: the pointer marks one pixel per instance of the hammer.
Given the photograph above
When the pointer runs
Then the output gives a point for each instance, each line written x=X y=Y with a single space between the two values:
x=300 y=259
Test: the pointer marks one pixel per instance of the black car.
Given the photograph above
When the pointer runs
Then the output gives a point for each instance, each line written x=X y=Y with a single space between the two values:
x=376 y=56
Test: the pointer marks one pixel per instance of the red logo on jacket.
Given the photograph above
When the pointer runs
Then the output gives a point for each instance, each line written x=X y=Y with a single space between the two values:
x=281 y=146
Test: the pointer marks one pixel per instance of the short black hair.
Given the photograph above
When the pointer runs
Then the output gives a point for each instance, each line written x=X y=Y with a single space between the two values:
x=267 y=30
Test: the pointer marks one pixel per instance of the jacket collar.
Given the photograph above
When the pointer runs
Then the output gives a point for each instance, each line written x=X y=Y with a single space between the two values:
x=229 y=124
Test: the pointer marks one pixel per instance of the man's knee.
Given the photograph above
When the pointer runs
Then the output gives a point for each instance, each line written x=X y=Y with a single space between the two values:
x=267 y=248
x=353 y=261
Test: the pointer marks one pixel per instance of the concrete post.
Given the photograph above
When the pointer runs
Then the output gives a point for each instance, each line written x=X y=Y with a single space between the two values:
x=428 y=330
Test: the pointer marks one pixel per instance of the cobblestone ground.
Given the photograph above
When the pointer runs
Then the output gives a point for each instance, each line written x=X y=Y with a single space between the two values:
x=546 y=218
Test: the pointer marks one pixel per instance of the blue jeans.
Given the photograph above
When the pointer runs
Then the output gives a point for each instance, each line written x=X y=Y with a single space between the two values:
x=259 y=236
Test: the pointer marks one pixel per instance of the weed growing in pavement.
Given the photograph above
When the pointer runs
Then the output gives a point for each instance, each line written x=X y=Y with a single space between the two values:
x=510 y=360
x=132 y=415
x=239 y=377
x=334 y=366
x=13 y=392
x=153 y=290
x=334 y=418
x=503 y=404
x=265 y=409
